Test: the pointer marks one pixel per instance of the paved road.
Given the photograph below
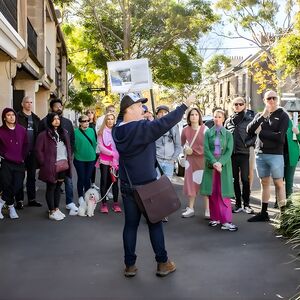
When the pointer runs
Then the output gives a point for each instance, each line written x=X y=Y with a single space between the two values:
x=82 y=258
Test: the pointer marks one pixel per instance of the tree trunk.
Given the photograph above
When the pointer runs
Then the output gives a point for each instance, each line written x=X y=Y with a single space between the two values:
x=127 y=29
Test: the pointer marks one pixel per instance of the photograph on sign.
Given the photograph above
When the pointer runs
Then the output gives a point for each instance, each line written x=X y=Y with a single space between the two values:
x=129 y=75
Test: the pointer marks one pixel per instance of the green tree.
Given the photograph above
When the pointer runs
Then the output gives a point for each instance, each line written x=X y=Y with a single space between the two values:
x=84 y=73
x=287 y=50
x=257 y=22
x=216 y=64
x=164 y=31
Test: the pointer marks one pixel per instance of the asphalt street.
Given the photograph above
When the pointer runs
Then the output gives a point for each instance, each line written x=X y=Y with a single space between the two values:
x=82 y=258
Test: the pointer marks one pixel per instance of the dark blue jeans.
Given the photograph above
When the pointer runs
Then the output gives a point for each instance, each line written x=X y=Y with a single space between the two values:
x=69 y=190
x=132 y=220
x=84 y=171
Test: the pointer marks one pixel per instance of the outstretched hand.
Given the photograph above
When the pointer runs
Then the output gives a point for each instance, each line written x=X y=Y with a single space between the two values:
x=188 y=102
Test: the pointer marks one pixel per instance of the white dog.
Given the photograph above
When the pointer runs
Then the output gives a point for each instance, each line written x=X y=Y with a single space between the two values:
x=87 y=207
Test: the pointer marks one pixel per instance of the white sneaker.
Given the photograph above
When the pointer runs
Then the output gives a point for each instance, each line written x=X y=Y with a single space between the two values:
x=60 y=213
x=229 y=226
x=73 y=212
x=1 y=216
x=248 y=210
x=55 y=216
x=94 y=186
x=188 y=213
x=207 y=214
x=237 y=210
x=213 y=223
x=72 y=206
x=12 y=212
x=80 y=200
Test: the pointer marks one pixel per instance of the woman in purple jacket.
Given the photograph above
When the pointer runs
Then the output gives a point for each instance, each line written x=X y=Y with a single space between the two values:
x=53 y=153
x=13 y=150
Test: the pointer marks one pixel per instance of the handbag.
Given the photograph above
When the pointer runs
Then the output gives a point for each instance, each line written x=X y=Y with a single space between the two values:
x=62 y=165
x=187 y=149
x=157 y=199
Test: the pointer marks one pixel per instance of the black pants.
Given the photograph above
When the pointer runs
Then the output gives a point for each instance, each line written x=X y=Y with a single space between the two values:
x=240 y=169
x=105 y=182
x=30 y=165
x=53 y=195
x=11 y=180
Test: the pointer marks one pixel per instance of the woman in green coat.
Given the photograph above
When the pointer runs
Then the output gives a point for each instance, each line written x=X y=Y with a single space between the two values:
x=217 y=182
x=291 y=156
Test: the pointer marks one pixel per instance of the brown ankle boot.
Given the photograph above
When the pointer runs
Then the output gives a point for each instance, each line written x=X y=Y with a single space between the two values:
x=130 y=271
x=163 y=269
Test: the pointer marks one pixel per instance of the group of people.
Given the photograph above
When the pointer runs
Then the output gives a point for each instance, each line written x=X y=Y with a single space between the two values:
x=53 y=146
x=218 y=161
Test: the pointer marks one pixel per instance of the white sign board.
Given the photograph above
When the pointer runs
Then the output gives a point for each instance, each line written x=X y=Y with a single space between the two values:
x=129 y=75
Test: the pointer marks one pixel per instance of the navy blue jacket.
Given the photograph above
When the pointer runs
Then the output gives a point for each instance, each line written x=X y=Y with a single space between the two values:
x=135 y=142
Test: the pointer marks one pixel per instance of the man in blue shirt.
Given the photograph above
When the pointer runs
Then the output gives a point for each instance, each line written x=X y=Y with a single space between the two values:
x=135 y=141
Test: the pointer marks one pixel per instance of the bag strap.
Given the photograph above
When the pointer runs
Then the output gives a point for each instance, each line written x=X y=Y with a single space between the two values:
x=194 y=138
x=127 y=175
x=82 y=131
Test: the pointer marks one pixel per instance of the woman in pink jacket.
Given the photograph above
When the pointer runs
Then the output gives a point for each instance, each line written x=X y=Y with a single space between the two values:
x=109 y=163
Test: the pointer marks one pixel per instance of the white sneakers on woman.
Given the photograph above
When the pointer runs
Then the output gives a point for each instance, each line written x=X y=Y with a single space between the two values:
x=12 y=212
x=189 y=212
x=57 y=215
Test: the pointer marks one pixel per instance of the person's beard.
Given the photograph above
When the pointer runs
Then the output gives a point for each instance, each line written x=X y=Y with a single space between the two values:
x=59 y=112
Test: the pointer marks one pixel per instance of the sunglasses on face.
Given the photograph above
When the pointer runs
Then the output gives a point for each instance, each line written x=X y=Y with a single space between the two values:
x=270 y=98
x=84 y=121
x=239 y=104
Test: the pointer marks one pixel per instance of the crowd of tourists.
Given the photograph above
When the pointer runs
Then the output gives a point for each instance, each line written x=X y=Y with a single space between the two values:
x=218 y=159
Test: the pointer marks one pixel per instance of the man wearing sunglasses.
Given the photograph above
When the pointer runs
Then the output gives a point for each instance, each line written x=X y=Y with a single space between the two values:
x=237 y=124
x=270 y=126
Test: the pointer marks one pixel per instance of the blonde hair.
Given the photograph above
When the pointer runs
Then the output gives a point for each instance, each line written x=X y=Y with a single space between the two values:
x=220 y=111
x=101 y=129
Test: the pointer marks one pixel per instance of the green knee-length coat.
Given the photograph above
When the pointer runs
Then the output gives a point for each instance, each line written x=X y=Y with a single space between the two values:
x=226 y=141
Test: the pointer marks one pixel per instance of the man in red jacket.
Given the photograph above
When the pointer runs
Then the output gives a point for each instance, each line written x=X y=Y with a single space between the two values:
x=13 y=150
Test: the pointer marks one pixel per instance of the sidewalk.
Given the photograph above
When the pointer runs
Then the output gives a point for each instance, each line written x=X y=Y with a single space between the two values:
x=82 y=258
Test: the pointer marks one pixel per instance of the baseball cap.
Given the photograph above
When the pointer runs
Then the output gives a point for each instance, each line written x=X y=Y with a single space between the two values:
x=162 y=107
x=130 y=99
x=269 y=94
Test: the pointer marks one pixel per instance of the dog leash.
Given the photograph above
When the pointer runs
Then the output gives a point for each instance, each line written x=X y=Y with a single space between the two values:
x=112 y=171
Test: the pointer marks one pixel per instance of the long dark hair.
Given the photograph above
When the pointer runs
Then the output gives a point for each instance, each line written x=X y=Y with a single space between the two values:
x=60 y=130
x=189 y=115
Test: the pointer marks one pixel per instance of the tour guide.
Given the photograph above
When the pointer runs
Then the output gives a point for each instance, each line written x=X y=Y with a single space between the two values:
x=135 y=141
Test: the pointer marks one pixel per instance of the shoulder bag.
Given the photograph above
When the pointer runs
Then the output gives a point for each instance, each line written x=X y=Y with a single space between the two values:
x=157 y=199
x=187 y=149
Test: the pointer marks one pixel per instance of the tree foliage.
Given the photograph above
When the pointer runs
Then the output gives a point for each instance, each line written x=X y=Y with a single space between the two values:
x=84 y=73
x=79 y=100
x=164 y=31
x=217 y=63
x=287 y=50
x=258 y=21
